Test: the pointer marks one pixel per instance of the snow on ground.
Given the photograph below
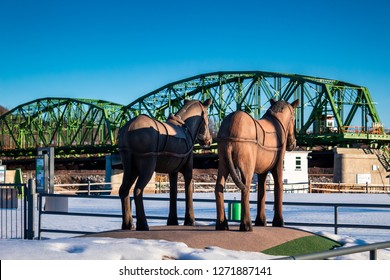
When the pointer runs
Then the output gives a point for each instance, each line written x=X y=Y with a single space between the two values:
x=55 y=246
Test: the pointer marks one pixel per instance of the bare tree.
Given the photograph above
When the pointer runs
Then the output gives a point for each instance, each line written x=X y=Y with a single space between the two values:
x=3 y=110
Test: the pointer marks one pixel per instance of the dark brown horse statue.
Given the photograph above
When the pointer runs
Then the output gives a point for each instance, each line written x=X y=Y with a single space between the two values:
x=147 y=145
x=247 y=146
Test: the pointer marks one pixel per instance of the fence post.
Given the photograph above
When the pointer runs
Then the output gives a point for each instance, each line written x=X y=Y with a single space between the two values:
x=373 y=255
x=39 y=216
x=89 y=187
x=29 y=233
x=336 y=210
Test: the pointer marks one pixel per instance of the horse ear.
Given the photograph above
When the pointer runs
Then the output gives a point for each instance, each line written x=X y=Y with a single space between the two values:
x=273 y=101
x=295 y=104
x=207 y=102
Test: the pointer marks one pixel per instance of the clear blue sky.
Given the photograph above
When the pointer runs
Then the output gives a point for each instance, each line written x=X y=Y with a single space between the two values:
x=121 y=50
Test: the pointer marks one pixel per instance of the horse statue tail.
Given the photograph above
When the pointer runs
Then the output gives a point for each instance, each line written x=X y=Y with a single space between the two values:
x=232 y=168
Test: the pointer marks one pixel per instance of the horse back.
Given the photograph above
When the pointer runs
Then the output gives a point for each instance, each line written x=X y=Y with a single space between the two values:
x=144 y=135
x=240 y=126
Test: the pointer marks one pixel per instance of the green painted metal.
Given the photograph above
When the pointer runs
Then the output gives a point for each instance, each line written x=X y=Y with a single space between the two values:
x=81 y=126
x=350 y=106
x=73 y=126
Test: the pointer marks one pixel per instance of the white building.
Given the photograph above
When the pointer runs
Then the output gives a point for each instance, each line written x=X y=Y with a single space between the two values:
x=295 y=172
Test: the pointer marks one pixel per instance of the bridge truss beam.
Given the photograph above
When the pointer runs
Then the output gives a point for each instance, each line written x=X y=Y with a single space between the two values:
x=331 y=112
x=72 y=126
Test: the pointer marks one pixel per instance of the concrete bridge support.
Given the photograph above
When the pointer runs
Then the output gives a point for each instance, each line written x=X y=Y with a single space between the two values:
x=355 y=166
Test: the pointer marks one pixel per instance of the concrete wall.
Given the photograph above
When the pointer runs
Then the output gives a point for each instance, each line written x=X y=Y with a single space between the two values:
x=355 y=166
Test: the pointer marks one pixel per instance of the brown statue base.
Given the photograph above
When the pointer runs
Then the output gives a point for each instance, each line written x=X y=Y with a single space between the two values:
x=200 y=237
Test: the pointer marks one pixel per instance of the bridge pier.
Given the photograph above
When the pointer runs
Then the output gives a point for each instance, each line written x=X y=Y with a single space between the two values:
x=357 y=166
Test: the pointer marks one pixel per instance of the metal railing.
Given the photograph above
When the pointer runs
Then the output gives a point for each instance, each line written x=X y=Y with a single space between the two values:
x=88 y=189
x=13 y=217
x=300 y=187
x=371 y=248
x=318 y=187
x=91 y=188
x=335 y=206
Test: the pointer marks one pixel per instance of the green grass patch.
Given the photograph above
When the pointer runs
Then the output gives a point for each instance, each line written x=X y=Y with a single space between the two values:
x=303 y=245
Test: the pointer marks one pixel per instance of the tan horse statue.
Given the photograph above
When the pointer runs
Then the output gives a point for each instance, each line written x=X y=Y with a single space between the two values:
x=247 y=146
x=147 y=145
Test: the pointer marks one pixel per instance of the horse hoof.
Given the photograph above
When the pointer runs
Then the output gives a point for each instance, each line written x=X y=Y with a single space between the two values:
x=277 y=223
x=189 y=220
x=127 y=227
x=172 y=222
x=222 y=225
x=189 y=223
x=246 y=227
x=142 y=227
x=260 y=222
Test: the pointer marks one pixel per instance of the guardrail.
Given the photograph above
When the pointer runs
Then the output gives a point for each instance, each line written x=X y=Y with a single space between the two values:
x=372 y=248
x=336 y=206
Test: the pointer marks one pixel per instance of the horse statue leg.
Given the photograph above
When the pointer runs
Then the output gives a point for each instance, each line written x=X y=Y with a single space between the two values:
x=129 y=177
x=278 y=198
x=172 y=217
x=246 y=221
x=246 y=162
x=261 y=219
x=222 y=222
x=189 y=217
x=147 y=166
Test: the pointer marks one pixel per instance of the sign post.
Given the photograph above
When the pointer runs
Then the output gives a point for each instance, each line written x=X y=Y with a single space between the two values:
x=41 y=174
x=45 y=170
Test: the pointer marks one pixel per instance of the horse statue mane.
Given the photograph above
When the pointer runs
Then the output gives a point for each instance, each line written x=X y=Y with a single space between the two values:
x=175 y=118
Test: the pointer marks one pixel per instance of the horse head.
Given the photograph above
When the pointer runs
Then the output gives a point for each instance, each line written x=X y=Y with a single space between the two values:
x=195 y=116
x=204 y=136
x=286 y=119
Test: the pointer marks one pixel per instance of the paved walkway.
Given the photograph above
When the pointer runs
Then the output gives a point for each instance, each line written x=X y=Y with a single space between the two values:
x=261 y=238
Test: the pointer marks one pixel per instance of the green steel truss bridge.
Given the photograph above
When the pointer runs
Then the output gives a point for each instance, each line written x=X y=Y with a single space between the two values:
x=332 y=113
